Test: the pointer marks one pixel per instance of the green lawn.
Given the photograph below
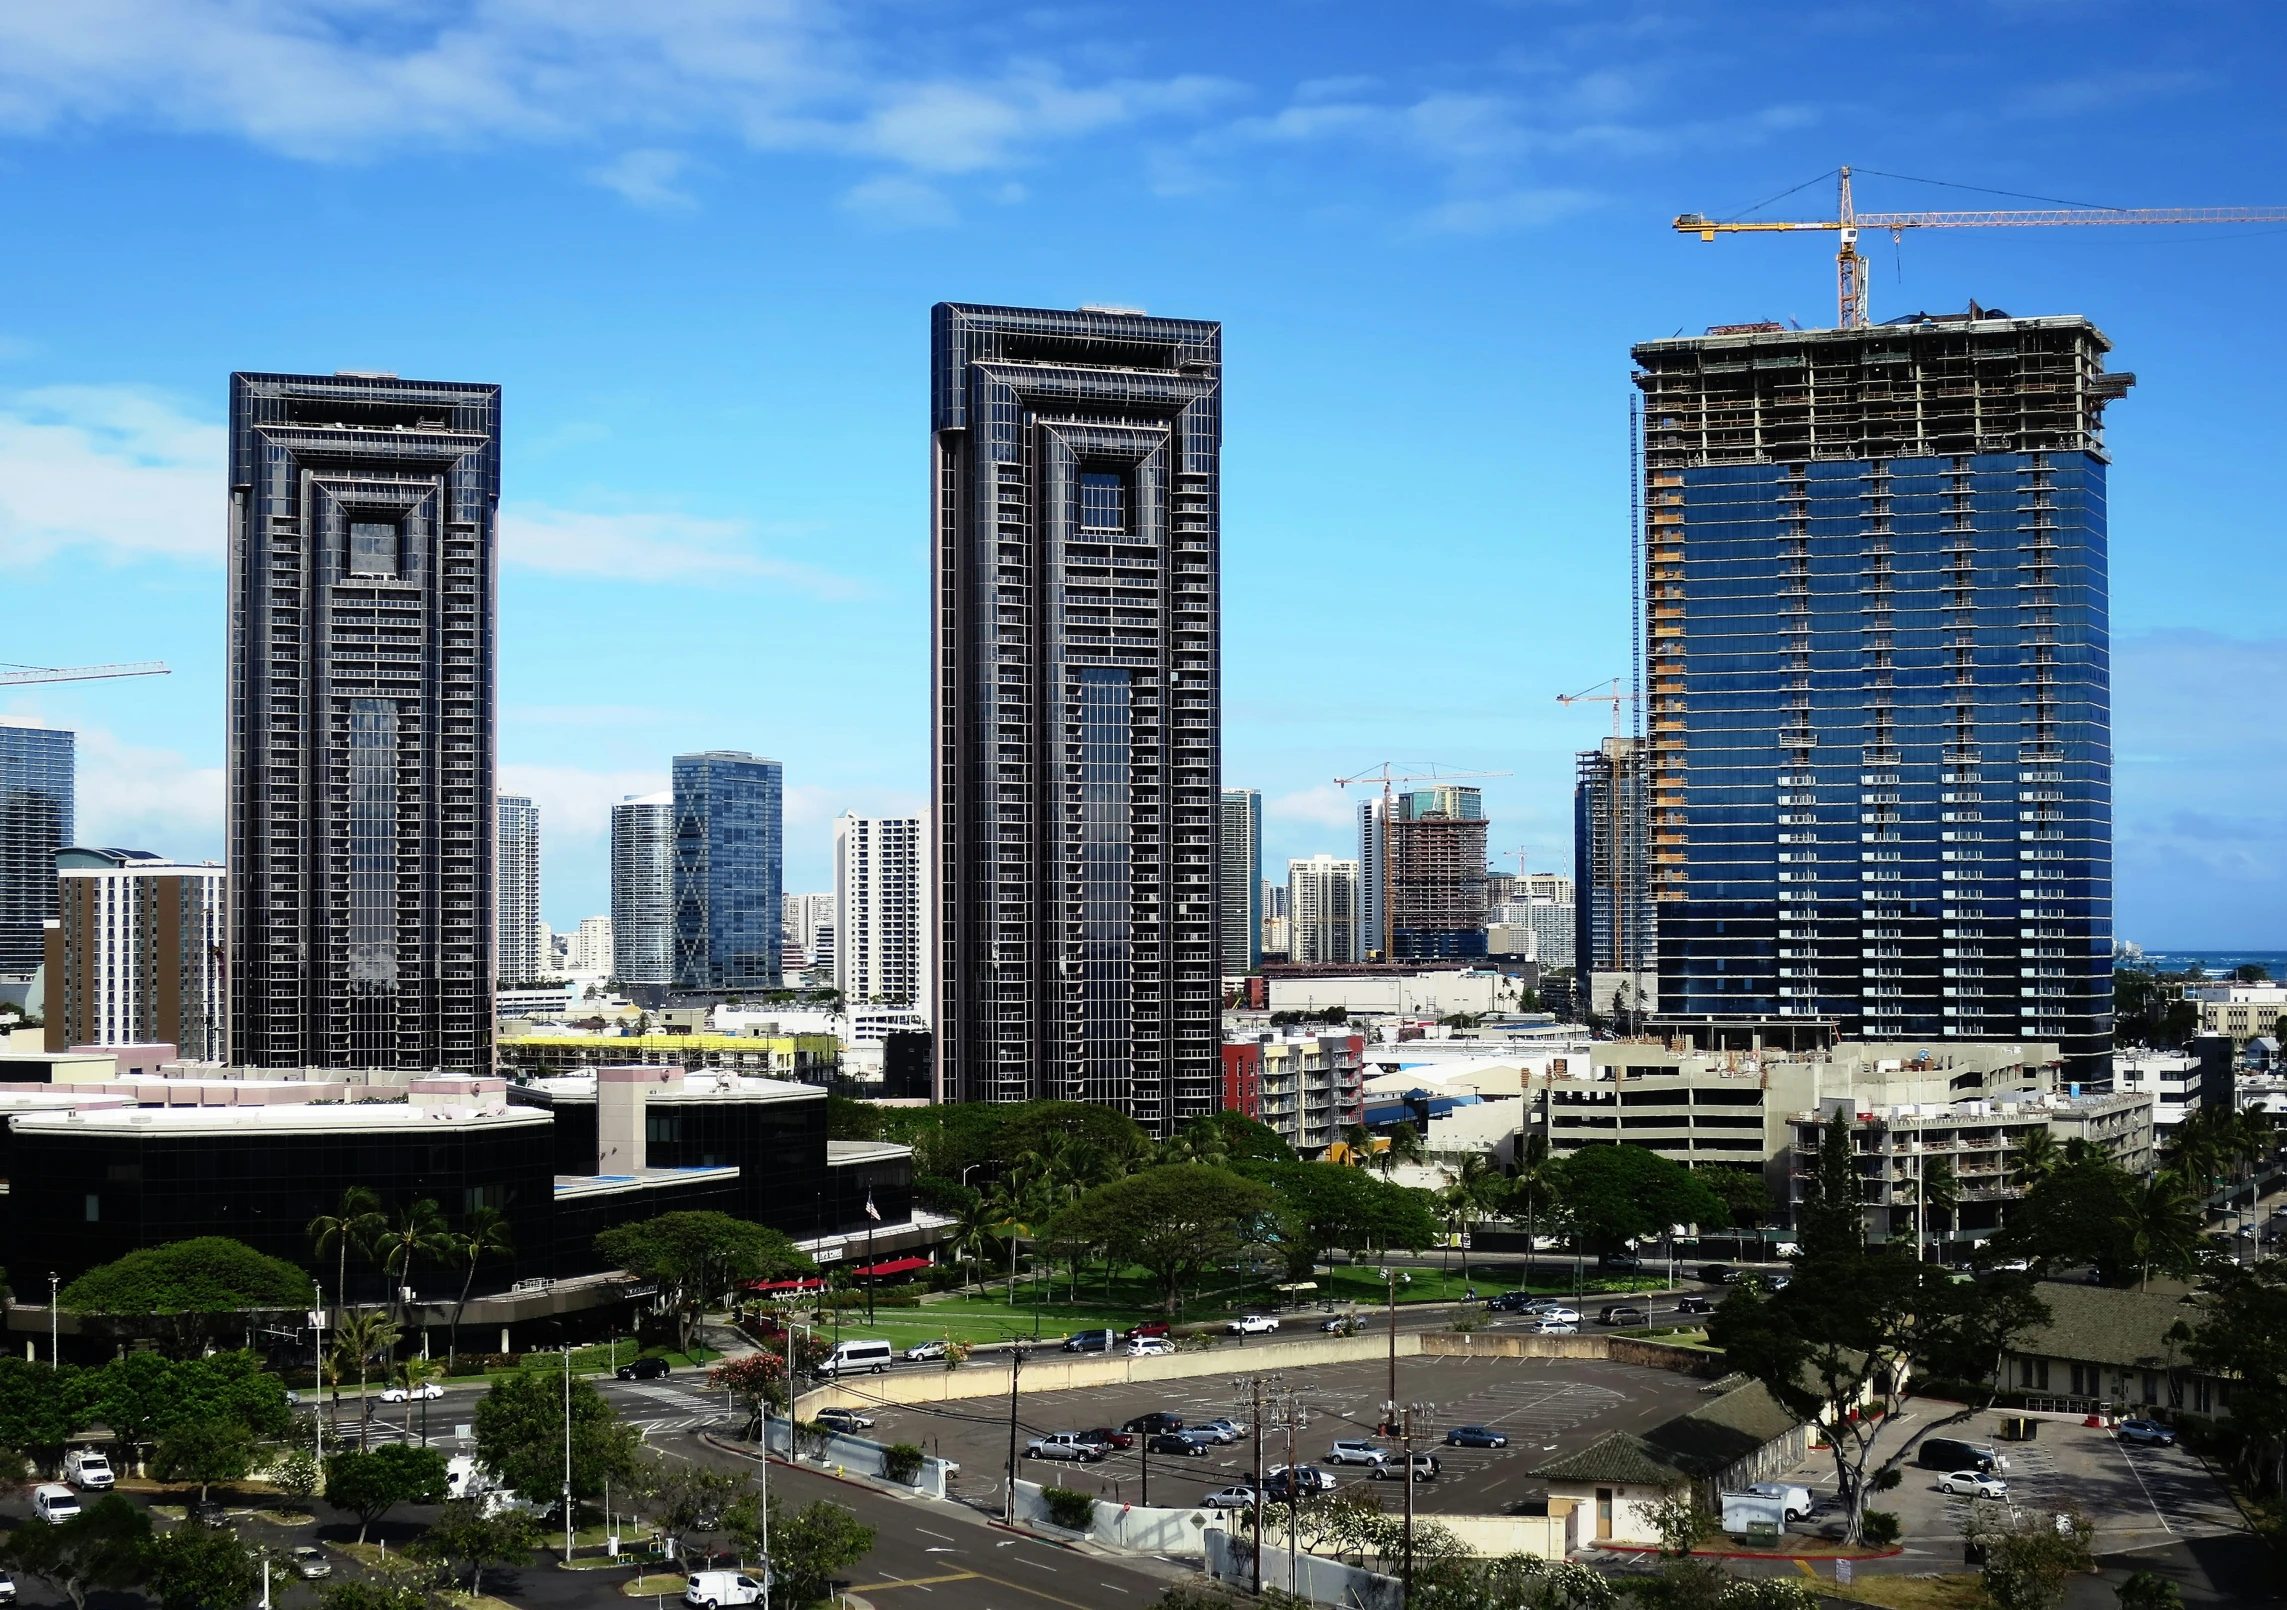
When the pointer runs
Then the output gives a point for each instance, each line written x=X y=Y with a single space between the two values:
x=1045 y=1307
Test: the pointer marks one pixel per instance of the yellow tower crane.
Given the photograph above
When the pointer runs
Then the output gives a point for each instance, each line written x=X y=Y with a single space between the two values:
x=1850 y=267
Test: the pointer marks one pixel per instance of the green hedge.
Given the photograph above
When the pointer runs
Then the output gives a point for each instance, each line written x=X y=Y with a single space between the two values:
x=1073 y=1511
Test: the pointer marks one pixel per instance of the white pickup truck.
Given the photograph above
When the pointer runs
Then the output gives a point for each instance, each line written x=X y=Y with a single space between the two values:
x=1065 y=1445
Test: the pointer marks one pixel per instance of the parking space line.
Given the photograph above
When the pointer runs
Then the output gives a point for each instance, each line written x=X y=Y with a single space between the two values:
x=2122 y=1449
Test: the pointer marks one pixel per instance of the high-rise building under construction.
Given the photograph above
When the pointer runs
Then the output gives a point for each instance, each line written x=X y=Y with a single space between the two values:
x=1878 y=700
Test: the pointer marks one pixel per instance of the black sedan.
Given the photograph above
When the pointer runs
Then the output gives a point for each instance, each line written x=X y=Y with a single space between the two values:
x=1717 y=1274
x=644 y=1369
x=1177 y=1443
x=1475 y=1437
x=1508 y=1302
x=1153 y=1423
x=1694 y=1305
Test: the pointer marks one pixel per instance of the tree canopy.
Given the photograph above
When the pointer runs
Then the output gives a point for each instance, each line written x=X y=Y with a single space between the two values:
x=177 y=1289
x=2085 y=1210
x=1322 y=1205
x=104 y=1546
x=1177 y=1221
x=695 y=1258
x=1859 y=1323
x=519 y=1431
x=2244 y=1335
x=1612 y=1194
x=140 y=1396
x=370 y=1484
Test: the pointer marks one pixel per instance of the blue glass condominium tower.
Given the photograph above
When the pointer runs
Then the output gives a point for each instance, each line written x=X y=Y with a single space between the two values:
x=36 y=794
x=729 y=871
x=1076 y=723
x=361 y=827
x=1879 y=697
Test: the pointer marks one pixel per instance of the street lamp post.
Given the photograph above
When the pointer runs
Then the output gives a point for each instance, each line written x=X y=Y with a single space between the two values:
x=1008 y=1501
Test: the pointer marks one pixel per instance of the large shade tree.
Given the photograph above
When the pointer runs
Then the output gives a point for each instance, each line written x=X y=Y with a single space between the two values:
x=1325 y=1205
x=697 y=1259
x=186 y=1293
x=1178 y=1221
x=1620 y=1193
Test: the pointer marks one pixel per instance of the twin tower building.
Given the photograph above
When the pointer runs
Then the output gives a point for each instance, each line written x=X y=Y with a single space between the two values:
x=1875 y=773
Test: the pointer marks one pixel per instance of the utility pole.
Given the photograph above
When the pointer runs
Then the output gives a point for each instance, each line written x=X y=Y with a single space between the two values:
x=567 y=1341
x=1391 y=1277
x=55 y=1331
x=1418 y=1419
x=1251 y=1398
x=1008 y=1502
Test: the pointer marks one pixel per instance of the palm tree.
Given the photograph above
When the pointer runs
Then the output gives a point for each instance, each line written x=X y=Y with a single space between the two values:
x=356 y=1222
x=1404 y=1147
x=1198 y=1142
x=413 y=1231
x=1934 y=1189
x=976 y=1230
x=2167 y=1228
x=1357 y=1140
x=1532 y=1184
x=1017 y=1206
x=1468 y=1195
x=361 y=1338
x=485 y=1235
x=2036 y=1156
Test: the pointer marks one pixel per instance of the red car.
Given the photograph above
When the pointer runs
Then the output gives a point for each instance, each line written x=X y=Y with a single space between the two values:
x=1150 y=1327
x=1109 y=1438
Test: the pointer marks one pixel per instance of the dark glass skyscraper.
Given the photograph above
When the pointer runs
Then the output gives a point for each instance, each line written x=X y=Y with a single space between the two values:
x=1879 y=697
x=729 y=871
x=36 y=794
x=362 y=572
x=1076 y=693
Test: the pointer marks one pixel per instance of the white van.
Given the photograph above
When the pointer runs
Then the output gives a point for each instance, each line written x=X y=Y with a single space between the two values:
x=87 y=1469
x=709 y=1589
x=54 y=1504
x=858 y=1357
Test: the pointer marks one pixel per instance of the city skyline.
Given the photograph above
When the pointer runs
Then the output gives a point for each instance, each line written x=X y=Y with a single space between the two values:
x=1505 y=178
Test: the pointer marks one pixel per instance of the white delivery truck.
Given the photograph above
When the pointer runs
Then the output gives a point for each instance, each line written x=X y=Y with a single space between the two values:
x=87 y=1469
x=1747 y=1514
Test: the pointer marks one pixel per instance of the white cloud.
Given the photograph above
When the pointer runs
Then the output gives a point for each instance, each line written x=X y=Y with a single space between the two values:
x=641 y=546
x=899 y=202
x=117 y=469
x=344 y=80
x=575 y=804
x=646 y=178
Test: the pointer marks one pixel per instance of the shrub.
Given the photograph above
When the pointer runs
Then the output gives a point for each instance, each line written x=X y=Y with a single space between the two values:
x=1879 y=1527
x=901 y=1462
x=1074 y=1511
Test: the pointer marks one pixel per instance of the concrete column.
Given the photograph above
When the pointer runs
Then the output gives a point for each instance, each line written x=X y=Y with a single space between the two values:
x=620 y=1093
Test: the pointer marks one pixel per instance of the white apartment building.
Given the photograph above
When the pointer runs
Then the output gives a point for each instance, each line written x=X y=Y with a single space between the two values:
x=1550 y=922
x=806 y=927
x=880 y=927
x=2173 y=1083
x=518 y=957
x=587 y=949
x=1322 y=909
x=643 y=889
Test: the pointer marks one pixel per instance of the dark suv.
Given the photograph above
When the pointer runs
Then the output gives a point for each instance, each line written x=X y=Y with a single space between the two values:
x=1152 y=1424
x=1717 y=1274
x=644 y=1369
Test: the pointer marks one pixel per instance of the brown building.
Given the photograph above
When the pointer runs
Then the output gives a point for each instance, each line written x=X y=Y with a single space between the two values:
x=135 y=956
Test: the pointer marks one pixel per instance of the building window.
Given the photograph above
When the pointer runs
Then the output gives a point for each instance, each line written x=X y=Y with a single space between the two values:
x=372 y=548
x=1103 y=502
x=95 y=1216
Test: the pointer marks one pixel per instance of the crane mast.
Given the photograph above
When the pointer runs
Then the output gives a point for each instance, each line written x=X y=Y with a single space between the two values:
x=1385 y=775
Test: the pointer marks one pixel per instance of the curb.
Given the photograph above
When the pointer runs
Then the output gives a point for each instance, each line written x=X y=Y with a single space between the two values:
x=863 y=1484
x=1752 y=1554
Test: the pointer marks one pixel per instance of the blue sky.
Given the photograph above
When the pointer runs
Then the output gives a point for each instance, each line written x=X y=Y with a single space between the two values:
x=697 y=240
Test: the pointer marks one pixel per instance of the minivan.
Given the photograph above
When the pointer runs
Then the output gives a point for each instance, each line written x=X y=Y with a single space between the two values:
x=1945 y=1453
x=857 y=1357
x=54 y=1504
x=1090 y=1341
x=709 y=1589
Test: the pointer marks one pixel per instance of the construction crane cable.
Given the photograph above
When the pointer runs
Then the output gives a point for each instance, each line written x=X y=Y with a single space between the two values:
x=1983 y=190
x=1781 y=196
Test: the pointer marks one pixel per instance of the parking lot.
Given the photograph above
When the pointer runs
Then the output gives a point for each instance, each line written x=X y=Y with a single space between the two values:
x=1546 y=1407
x=2137 y=1497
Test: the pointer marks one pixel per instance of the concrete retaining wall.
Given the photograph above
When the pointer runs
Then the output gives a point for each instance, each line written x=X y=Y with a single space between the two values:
x=1179 y=1532
x=1544 y=1537
x=836 y=1451
x=1322 y=1581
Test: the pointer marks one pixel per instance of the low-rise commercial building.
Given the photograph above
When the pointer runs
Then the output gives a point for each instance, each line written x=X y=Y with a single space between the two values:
x=2241 y=1011
x=2111 y=1351
x=2171 y=1080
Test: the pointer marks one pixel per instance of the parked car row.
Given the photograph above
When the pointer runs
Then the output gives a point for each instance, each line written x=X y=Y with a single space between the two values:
x=1160 y=1432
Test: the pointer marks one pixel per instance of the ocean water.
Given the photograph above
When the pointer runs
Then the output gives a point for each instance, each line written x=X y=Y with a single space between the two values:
x=2215 y=962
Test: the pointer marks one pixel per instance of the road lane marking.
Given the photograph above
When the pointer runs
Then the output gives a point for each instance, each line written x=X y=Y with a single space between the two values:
x=926 y=1532
x=1035 y=1592
x=913 y=1582
x=1036 y=1565
x=1804 y=1566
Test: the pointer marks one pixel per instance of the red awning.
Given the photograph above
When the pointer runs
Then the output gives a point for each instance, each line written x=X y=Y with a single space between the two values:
x=806 y=1283
x=895 y=1266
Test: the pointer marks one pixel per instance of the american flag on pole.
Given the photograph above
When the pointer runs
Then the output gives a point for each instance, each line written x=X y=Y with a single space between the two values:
x=872 y=1212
